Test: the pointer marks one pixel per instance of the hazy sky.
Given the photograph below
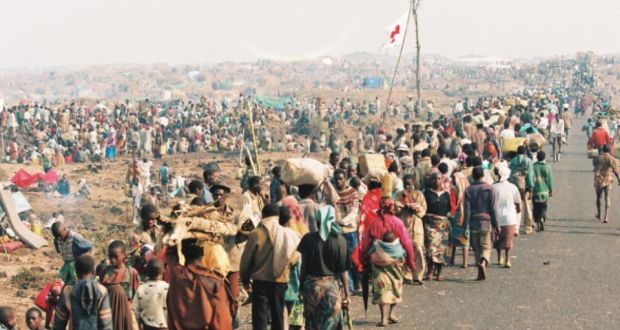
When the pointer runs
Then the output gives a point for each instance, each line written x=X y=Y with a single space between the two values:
x=60 y=32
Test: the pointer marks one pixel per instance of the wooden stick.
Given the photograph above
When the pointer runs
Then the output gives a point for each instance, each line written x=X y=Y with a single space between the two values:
x=251 y=113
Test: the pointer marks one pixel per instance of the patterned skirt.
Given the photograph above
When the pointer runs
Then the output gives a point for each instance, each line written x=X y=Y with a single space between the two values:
x=457 y=232
x=436 y=238
x=322 y=296
x=387 y=284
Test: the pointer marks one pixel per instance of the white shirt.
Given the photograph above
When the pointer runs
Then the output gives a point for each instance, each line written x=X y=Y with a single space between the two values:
x=145 y=168
x=458 y=108
x=149 y=304
x=558 y=127
x=506 y=196
x=507 y=133
x=543 y=123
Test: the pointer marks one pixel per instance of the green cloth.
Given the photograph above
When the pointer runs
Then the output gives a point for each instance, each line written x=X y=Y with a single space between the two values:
x=67 y=272
x=327 y=220
x=522 y=161
x=292 y=291
x=394 y=250
x=543 y=181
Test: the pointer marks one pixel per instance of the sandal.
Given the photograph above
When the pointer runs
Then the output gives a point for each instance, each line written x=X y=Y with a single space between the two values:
x=393 y=320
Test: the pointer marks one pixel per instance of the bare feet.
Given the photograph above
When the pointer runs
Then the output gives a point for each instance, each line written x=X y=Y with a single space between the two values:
x=393 y=320
x=482 y=271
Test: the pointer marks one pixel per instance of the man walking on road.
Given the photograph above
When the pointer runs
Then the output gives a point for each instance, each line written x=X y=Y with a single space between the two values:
x=604 y=165
x=568 y=122
x=543 y=189
x=599 y=138
x=480 y=219
x=522 y=176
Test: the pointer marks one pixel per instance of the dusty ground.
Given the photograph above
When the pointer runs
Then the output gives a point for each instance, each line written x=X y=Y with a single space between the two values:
x=107 y=215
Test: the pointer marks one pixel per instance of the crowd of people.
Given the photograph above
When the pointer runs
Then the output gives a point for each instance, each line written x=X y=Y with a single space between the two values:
x=302 y=252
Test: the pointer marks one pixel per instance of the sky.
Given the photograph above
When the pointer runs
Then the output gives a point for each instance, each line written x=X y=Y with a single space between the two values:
x=42 y=33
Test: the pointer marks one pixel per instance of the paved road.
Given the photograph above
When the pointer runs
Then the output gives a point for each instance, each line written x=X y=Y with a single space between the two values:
x=577 y=289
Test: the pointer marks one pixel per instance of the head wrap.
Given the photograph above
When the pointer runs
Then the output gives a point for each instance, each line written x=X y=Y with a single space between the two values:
x=386 y=206
x=504 y=173
x=297 y=222
x=327 y=221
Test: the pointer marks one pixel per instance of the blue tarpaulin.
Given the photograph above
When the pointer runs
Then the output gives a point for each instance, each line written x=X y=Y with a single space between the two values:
x=373 y=82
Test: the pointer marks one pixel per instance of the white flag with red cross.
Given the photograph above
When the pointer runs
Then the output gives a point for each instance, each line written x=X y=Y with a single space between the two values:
x=396 y=32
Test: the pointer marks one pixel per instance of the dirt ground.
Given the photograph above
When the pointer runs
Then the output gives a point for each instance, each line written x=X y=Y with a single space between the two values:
x=107 y=215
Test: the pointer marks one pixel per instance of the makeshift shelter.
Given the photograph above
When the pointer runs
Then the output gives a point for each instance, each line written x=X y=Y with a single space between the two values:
x=10 y=213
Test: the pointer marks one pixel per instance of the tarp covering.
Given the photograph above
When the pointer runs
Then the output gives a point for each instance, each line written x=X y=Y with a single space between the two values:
x=372 y=82
x=23 y=179
x=277 y=103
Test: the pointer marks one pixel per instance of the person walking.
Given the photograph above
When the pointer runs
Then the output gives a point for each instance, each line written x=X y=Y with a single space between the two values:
x=543 y=189
x=323 y=275
x=387 y=222
x=507 y=208
x=604 y=165
x=599 y=138
x=436 y=226
x=411 y=208
x=85 y=304
x=265 y=260
x=480 y=219
x=567 y=116
x=197 y=296
x=522 y=176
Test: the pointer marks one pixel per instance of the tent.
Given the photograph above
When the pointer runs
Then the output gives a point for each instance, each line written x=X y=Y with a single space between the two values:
x=23 y=179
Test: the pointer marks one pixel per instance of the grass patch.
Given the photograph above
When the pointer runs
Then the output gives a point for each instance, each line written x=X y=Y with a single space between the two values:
x=32 y=278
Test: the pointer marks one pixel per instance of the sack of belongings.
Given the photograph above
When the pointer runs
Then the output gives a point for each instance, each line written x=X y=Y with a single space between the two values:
x=537 y=139
x=371 y=161
x=300 y=171
x=511 y=144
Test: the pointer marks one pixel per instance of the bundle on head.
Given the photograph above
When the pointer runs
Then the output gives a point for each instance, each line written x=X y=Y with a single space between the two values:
x=200 y=222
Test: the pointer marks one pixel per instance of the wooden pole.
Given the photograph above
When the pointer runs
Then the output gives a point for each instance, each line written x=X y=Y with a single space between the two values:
x=414 y=8
x=251 y=115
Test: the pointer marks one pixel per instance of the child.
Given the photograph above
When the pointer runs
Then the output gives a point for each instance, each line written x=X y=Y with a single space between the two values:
x=121 y=281
x=84 y=304
x=8 y=318
x=149 y=303
x=34 y=319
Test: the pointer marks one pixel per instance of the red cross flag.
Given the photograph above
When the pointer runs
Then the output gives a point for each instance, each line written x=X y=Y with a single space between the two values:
x=396 y=32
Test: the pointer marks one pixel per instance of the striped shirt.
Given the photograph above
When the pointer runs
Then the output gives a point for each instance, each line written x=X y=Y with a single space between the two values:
x=66 y=247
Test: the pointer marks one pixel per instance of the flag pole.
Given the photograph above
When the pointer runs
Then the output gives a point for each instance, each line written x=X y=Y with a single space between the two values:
x=400 y=54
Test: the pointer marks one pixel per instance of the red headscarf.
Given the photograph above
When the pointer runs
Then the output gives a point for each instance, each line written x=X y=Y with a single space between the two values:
x=298 y=222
